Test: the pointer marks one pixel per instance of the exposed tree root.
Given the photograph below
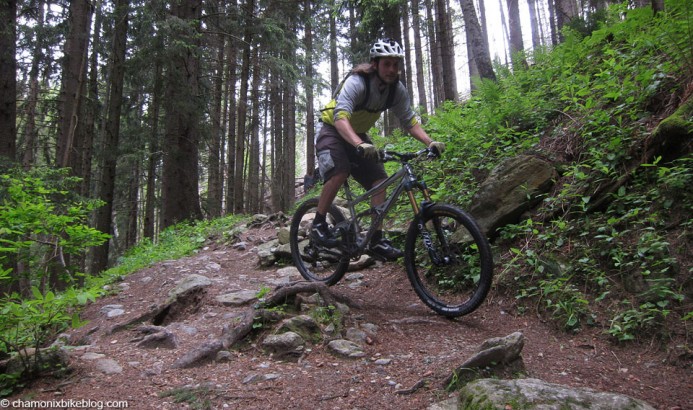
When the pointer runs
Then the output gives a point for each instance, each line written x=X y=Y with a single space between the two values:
x=243 y=325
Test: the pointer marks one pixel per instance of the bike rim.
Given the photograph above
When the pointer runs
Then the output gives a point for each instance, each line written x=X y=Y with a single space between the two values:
x=316 y=263
x=451 y=278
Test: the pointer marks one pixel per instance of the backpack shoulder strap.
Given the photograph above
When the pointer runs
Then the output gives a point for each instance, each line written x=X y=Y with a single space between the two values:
x=391 y=95
x=339 y=88
x=367 y=80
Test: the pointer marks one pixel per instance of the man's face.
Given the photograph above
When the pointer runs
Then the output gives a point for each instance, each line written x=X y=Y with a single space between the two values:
x=388 y=69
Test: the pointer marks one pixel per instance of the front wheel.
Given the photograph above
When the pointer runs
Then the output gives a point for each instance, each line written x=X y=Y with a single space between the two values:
x=314 y=262
x=448 y=260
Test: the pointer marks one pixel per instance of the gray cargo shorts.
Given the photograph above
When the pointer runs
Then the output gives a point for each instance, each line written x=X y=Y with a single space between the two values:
x=336 y=155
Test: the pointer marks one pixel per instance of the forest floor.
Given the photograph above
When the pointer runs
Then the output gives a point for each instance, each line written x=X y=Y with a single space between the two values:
x=419 y=344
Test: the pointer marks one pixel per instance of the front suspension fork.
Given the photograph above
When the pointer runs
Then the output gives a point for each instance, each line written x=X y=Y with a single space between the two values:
x=420 y=211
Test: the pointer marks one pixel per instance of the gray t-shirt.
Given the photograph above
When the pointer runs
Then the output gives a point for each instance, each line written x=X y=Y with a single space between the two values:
x=349 y=103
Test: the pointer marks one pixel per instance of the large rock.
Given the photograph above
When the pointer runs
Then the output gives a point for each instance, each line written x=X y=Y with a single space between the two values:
x=672 y=138
x=284 y=345
x=303 y=325
x=497 y=357
x=511 y=189
x=346 y=348
x=538 y=394
x=238 y=298
x=190 y=283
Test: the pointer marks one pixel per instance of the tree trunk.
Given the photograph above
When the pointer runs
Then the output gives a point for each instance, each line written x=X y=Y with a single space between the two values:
x=92 y=109
x=111 y=138
x=8 y=81
x=566 y=10
x=254 y=152
x=409 y=80
x=504 y=28
x=534 y=24
x=232 y=65
x=30 y=130
x=8 y=110
x=353 y=39
x=334 y=58
x=515 y=40
x=131 y=206
x=657 y=6
x=73 y=69
x=180 y=185
x=475 y=37
x=263 y=170
x=436 y=61
x=289 y=170
x=308 y=85
x=154 y=157
x=215 y=186
x=447 y=50
x=239 y=177
x=391 y=25
x=551 y=6
x=418 y=52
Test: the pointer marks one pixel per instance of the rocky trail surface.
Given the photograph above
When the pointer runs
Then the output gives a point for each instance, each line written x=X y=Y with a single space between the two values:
x=132 y=346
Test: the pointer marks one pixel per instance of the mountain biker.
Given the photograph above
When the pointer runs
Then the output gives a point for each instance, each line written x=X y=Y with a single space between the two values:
x=369 y=90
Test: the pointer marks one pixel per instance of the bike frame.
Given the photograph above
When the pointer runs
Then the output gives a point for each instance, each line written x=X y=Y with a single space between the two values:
x=407 y=181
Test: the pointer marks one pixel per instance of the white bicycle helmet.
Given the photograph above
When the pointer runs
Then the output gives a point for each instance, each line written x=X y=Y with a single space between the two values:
x=386 y=48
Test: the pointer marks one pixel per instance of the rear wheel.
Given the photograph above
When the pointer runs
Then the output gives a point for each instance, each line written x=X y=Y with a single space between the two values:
x=314 y=262
x=448 y=261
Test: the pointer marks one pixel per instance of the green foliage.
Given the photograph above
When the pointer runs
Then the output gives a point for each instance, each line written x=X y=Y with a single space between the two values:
x=40 y=215
x=585 y=105
x=174 y=242
x=198 y=397
x=31 y=322
x=34 y=322
x=623 y=263
x=328 y=315
x=42 y=221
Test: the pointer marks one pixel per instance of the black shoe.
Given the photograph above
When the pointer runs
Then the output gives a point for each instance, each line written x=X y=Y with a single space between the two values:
x=382 y=248
x=320 y=234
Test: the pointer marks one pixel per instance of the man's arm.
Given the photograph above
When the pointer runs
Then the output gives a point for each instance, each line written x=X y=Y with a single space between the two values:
x=345 y=129
x=418 y=132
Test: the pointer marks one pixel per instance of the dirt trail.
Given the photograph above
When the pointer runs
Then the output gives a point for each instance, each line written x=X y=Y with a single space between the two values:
x=416 y=343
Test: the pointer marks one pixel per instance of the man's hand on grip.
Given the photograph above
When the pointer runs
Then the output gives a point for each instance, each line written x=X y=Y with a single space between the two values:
x=367 y=150
x=436 y=147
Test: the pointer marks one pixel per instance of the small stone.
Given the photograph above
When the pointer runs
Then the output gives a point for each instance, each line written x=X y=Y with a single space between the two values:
x=346 y=348
x=108 y=366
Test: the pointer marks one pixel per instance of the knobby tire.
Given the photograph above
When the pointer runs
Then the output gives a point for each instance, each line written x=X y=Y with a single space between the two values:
x=313 y=262
x=453 y=275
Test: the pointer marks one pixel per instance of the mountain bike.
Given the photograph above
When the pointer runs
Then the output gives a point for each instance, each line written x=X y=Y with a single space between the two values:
x=447 y=257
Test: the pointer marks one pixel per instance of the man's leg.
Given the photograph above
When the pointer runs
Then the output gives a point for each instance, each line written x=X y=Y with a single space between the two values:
x=379 y=244
x=329 y=191
x=379 y=197
x=320 y=232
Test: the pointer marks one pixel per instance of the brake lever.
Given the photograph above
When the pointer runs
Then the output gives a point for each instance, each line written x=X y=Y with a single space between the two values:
x=431 y=154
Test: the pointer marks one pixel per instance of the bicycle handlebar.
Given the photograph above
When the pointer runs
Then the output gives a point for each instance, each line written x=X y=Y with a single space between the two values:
x=387 y=156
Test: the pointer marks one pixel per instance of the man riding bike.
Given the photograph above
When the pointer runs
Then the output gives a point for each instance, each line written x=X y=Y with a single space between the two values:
x=369 y=90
